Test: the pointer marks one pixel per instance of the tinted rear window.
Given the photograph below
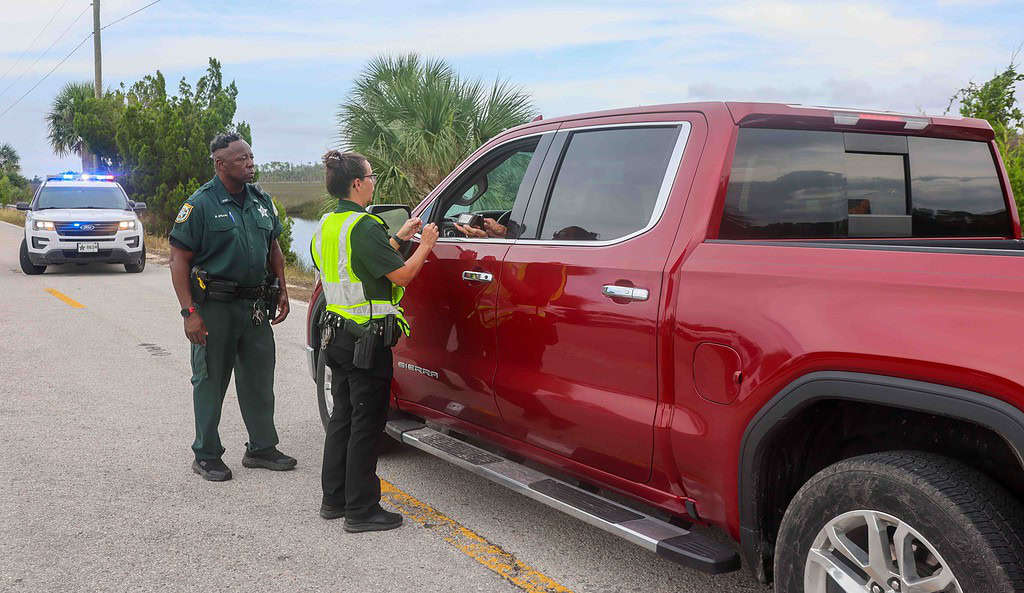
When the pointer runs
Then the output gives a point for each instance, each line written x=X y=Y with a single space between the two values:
x=55 y=196
x=790 y=184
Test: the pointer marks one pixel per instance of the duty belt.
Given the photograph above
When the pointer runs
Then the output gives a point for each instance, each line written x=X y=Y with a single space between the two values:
x=225 y=290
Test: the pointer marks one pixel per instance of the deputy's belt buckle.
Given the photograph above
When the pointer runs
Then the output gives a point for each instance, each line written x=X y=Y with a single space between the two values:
x=326 y=335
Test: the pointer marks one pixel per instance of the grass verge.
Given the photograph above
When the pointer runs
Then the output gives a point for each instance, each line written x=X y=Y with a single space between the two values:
x=12 y=216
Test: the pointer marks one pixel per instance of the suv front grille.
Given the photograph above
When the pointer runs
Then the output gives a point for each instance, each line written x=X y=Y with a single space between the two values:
x=86 y=229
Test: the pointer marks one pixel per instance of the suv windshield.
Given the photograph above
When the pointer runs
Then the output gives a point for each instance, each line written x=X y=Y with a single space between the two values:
x=52 y=196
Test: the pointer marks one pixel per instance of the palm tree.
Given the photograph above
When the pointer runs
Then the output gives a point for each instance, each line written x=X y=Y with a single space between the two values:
x=416 y=120
x=10 y=161
x=65 y=139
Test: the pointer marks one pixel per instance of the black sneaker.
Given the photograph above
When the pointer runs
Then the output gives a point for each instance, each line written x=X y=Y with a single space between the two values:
x=268 y=459
x=213 y=470
x=330 y=512
x=379 y=521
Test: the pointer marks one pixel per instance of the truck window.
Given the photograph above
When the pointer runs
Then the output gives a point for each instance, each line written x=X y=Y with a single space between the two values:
x=608 y=183
x=490 y=191
x=801 y=184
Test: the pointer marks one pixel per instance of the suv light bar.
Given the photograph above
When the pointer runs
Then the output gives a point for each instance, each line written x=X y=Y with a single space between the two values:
x=69 y=176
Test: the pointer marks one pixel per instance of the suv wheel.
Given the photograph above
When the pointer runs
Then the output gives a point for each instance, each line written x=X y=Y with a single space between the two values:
x=136 y=268
x=26 y=264
x=900 y=522
x=324 y=397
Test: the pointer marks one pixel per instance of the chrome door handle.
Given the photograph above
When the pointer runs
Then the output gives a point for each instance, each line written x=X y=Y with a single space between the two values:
x=477 y=276
x=625 y=292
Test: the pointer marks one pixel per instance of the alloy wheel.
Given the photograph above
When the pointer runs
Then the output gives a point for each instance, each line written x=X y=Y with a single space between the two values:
x=872 y=552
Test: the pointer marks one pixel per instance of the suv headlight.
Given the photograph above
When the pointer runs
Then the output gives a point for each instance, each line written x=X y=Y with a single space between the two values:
x=126 y=225
x=42 y=225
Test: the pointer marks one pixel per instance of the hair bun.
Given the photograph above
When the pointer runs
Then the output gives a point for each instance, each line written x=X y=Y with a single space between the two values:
x=332 y=159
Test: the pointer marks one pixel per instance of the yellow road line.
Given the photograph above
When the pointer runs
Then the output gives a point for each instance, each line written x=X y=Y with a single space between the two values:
x=70 y=301
x=490 y=555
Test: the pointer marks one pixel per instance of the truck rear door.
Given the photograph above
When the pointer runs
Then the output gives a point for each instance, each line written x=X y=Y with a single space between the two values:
x=579 y=294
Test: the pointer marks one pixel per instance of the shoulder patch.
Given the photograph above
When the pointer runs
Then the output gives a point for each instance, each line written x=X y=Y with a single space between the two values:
x=184 y=213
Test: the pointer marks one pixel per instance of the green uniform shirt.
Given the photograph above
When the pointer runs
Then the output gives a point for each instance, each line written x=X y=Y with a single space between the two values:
x=229 y=242
x=373 y=257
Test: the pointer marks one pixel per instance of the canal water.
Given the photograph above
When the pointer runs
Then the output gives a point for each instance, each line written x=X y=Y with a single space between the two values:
x=302 y=234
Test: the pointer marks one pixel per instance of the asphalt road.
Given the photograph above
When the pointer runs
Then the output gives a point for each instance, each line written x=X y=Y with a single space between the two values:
x=96 y=492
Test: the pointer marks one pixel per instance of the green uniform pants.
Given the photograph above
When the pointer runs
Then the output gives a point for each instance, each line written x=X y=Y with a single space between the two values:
x=234 y=343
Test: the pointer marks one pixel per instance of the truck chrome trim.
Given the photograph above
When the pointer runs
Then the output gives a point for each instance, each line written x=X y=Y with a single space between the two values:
x=668 y=180
x=669 y=541
x=625 y=292
x=477 y=276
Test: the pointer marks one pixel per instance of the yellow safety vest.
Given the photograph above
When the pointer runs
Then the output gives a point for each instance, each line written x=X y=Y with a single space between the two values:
x=332 y=252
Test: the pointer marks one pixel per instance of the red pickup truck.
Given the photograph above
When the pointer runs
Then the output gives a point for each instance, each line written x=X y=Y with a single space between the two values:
x=793 y=323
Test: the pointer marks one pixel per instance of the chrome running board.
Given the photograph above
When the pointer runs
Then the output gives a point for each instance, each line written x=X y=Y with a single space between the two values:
x=664 y=539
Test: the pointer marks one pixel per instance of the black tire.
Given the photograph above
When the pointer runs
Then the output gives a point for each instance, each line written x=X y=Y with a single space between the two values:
x=322 y=389
x=26 y=264
x=972 y=523
x=136 y=268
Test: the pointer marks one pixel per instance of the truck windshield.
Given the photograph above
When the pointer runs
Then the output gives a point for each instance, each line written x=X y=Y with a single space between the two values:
x=81 y=197
x=796 y=184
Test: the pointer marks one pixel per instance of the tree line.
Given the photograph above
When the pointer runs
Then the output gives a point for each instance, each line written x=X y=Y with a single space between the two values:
x=415 y=119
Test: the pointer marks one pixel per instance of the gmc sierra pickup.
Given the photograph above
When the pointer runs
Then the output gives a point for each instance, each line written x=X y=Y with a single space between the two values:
x=796 y=324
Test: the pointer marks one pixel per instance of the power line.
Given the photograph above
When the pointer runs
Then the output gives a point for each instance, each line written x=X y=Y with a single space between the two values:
x=80 y=44
x=87 y=38
x=128 y=15
x=34 y=39
x=46 y=51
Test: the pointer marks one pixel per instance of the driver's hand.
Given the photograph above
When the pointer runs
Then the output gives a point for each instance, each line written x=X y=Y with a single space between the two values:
x=410 y=228
x=494 y=229
x=472 y=232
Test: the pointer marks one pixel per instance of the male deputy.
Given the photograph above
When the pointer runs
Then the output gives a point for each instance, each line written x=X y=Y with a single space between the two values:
x=363 y=278
x=223 y=238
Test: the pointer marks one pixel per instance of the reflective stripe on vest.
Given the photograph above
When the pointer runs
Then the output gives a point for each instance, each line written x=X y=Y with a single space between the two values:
x=331 y=248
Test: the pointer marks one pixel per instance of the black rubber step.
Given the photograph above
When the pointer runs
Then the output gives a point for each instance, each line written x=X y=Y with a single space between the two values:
x=586 y=502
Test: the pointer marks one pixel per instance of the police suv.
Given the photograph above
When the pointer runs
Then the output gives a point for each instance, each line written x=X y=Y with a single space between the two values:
x=82 y=218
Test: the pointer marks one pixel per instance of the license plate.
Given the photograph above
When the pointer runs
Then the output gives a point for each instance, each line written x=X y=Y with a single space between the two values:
x=88 y=247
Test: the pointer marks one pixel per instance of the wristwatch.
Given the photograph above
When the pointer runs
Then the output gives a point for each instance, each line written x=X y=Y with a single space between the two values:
x=189 y=310
x=402 y=243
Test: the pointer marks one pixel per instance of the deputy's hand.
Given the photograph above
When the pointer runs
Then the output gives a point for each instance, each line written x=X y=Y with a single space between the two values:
x=195 y=329
x=471 y=231
x=283 y=307
x=428 y=236
x=410 y=228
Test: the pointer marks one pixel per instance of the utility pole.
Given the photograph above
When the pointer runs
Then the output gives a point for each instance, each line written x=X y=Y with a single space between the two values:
x=93 y=164
x=96 y=47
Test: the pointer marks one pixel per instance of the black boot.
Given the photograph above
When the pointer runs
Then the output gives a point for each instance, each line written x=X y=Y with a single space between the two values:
x=213 y=470
x=268 y=459
x=331 y=512
x=380 y=520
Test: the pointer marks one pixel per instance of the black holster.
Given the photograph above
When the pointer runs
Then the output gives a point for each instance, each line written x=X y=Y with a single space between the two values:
x=271 y=294
x=198 y=282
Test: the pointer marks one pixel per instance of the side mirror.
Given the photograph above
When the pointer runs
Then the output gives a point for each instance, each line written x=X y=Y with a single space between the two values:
x=21 y=205
x=138 y=206
x=394 y=215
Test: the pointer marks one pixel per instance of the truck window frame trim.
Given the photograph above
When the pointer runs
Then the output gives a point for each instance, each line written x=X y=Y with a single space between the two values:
x=664 y=190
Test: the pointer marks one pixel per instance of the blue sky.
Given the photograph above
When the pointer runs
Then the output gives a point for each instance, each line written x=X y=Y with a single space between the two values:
x=294 y=62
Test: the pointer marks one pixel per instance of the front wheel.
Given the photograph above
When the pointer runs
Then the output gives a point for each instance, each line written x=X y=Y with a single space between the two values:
x=900 y=522
x=138 y=267
x=324 y=397
x=26 y=264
